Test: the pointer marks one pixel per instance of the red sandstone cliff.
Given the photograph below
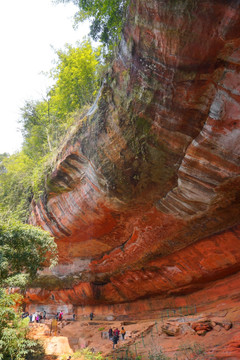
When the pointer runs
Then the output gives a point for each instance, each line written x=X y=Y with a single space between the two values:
x=144 y=199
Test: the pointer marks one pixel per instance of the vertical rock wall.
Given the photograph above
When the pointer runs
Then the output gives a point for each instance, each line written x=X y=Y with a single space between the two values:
x=144 y=198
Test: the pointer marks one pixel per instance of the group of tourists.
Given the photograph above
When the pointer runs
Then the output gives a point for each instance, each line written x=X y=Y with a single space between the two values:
x=38 y=316
x=59 y=316
x=114 y=335
x=35 y=317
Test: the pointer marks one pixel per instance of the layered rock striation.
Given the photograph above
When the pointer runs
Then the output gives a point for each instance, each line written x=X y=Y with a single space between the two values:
x=144 y=199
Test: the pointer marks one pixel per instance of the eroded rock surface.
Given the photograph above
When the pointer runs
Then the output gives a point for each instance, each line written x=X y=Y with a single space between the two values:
x=144 y=198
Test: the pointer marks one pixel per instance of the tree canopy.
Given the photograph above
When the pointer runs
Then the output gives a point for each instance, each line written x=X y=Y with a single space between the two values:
x=44 y=123
x=15 y=185
x=76 y=78
x=14 y=344
x=24 y=249
x=106 y=17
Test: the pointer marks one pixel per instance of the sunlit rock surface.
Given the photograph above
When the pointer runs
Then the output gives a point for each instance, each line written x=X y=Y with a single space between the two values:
x=144 y=199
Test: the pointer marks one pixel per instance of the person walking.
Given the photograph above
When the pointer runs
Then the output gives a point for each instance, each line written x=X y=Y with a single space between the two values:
x=116 y=332
x=110 y=333
x=123 y=332
x=60 y=317
x=91 y=315
x=33 y=317
x=114 y=340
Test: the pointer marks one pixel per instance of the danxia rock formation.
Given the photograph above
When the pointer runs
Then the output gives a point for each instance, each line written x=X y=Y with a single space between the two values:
x=144 y=200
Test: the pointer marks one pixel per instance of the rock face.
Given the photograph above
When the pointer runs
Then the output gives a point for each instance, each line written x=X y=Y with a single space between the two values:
x=144 y=200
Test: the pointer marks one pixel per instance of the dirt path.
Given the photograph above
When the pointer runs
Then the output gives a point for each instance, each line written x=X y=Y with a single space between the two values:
x=175 y=338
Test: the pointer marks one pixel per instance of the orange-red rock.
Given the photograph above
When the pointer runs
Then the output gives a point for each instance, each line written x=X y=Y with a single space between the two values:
x=144 y=199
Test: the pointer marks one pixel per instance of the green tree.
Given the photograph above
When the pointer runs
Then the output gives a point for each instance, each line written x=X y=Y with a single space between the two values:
x=22 y=179
x=37 y=126
x=77 y=80
x=24 y=249
x=44 y=123
x=14 y=344
x=106 y=17
x=15 y=185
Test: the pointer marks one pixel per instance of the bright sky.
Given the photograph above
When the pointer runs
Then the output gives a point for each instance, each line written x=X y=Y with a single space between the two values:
x=28 y=29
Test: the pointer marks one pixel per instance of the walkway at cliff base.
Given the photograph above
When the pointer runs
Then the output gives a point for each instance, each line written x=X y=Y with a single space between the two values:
x=188 y=334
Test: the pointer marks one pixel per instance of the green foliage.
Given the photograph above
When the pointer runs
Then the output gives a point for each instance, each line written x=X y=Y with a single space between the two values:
x=15 y=185
x=22 y=180
x=37 y=125
x=76 y=78
x=14 y=344
x=2 y=167
x=44 y=124
x=106 y=17
x=24 y=249
x=85 y=354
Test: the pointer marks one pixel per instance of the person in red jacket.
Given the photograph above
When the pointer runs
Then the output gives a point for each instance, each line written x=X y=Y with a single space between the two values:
x=116 y=332
x=60 y=316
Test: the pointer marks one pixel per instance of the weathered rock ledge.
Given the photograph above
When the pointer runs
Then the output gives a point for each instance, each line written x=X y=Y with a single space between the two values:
x=144 y=200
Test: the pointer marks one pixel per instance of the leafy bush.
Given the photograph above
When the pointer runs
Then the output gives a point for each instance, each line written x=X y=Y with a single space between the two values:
x=101 y=328
x=85 y=354
x=24 y=249
x=36 y=352
x=14 y=344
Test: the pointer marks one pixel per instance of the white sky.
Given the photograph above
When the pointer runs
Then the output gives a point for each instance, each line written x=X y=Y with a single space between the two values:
x=28 y=28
